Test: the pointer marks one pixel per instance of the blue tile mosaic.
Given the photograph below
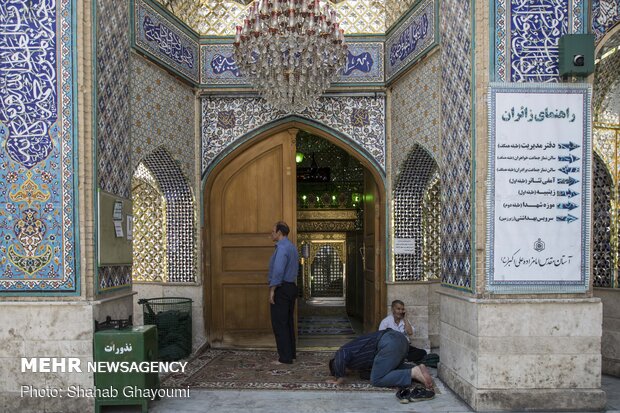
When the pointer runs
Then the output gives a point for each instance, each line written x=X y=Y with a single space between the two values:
x=159 y=37
x=527 y=34
x=605 y=15
x=364 y=65
x=218 y=65
x=37 y=192
x=412 y=38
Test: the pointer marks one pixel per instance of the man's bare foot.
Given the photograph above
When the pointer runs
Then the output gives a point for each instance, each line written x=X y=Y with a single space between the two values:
x=421 y=374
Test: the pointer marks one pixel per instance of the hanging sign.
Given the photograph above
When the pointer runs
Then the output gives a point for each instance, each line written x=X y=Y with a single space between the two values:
x=404 y=246
x=539 y=172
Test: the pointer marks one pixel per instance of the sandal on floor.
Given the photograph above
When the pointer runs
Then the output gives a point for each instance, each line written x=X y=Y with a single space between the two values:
x=403 y=394
x=419 y=394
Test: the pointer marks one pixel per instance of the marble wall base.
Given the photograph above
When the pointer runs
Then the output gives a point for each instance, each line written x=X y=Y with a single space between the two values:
x=522 y=354
x=422 y=306
x=44 y=329
x=610 y=346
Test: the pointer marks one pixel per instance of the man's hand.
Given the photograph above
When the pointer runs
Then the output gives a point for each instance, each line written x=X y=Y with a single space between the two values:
x=408 y=327
x=337 y=381
x=272 y=292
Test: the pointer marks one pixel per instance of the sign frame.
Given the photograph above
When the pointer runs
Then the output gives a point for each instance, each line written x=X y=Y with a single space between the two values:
x=541 y=270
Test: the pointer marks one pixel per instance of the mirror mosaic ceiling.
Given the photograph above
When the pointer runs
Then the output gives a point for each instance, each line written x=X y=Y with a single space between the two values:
x=219 y=17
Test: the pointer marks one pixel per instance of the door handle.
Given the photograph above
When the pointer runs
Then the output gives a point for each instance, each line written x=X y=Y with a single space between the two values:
x=363 y=254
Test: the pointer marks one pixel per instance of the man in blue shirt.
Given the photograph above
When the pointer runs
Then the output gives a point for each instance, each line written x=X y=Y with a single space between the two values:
x=283 y=268
x=383 y=352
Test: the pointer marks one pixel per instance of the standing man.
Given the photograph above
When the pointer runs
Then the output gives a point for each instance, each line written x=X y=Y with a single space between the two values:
x=398 y=321
x=283 y=268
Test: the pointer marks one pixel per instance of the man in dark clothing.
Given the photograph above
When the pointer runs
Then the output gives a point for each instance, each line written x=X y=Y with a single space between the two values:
x=283 y=268
x=384 y=353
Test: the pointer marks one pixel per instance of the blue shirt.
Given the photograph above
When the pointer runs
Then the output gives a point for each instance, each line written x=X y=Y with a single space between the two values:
x=284 y=263
x=358 y=354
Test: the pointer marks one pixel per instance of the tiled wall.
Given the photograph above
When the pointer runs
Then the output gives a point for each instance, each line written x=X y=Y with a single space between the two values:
x=113 y=118
x=456 y=154
x=38 y=218
x=415 y=112
x=150 y=262
x=162 y=114
x=162 y=118
x=415 y=150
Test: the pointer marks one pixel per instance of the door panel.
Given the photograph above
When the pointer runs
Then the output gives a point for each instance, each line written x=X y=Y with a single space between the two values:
x=372 y=264
x=248 y=195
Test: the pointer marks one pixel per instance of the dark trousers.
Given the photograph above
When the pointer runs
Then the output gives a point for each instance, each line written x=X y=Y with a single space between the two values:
x=415 y=355
x=283 y=323
x=388 y=367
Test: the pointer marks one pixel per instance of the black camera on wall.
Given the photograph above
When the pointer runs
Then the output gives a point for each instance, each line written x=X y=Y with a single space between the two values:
x=576 y=54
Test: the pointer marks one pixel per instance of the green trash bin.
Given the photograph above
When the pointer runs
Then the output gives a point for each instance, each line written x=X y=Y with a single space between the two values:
x=134 y=344
x=173 y=318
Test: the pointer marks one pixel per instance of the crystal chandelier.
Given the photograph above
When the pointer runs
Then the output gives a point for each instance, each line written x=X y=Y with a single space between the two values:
x=290 y=50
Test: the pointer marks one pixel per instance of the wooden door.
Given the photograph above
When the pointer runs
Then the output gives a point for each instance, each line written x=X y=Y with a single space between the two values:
x=248 y=196
x=372 y=255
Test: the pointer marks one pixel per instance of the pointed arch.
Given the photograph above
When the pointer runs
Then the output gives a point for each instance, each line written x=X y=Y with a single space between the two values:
x=602 y=246
x=335 y=136
x=178 y=212
x=413 y=182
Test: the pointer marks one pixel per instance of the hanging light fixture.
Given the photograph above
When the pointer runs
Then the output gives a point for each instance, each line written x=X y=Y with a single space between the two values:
x=290 y=50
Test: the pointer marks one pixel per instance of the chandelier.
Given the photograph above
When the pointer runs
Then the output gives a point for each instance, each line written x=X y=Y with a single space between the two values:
x=290 y=50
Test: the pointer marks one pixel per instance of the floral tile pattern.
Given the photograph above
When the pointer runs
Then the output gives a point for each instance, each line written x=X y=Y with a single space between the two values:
x=38 y=241
x=252 y=113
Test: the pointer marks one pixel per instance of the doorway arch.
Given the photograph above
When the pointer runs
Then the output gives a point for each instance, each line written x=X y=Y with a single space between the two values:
x=241 y=284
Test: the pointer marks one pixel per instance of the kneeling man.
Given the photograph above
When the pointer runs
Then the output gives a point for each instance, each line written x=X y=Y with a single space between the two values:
x=383 y=353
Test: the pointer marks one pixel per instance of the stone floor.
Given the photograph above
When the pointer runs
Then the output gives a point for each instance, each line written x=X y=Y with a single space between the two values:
x=264 y=401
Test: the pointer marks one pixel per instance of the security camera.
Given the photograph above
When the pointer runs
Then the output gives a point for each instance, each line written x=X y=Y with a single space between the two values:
x=579 y=60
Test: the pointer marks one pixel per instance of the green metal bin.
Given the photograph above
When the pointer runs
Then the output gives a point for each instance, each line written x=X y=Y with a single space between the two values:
x=134 y=344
